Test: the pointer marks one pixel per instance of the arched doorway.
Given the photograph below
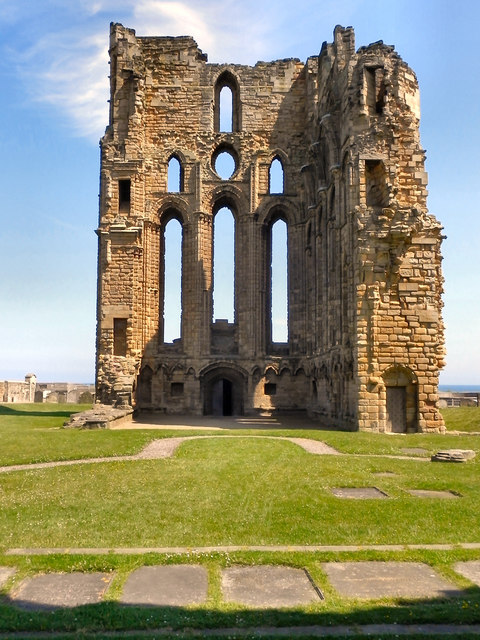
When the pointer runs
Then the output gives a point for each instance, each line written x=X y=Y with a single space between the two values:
x=223 y=390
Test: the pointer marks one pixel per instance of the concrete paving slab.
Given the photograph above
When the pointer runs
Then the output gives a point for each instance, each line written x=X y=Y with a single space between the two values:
x=57 y=590
x=167 y=586
x=469 y=569
x=428 y=493
x=268 y=587
x=374 y=580
x=359 y=493
x=5 y=574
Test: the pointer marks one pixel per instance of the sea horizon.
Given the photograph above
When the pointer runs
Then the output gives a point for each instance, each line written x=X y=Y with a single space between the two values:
x=458 y=388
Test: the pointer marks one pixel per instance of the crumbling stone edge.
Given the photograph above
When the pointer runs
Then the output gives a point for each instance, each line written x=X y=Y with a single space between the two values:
x=99 y=417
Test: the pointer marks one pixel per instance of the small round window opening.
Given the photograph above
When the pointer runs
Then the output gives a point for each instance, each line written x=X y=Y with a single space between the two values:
x=224 y=164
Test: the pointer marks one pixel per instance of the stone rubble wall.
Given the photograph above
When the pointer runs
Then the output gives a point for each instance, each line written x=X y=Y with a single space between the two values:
x=364 y=259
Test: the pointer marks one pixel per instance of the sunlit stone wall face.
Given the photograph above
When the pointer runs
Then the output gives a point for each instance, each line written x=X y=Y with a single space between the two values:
x=364 y=336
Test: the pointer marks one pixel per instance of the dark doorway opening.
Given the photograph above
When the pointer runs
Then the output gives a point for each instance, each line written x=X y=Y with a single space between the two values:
x=223 y=392
x=222 y=398
x=144 y=387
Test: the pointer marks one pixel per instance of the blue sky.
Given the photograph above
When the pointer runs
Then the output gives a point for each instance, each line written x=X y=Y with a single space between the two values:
x=53 y=66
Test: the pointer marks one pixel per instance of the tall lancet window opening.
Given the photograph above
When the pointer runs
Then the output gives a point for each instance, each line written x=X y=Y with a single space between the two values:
x=276 y=180
x=175 y=175
x=172 y=301
x=224 y=265
x=226 y=109
x=226 y=113
x=279 y=281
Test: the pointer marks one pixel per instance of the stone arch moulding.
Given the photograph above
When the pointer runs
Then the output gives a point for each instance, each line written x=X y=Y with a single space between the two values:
x=228 y=195
x=278 y=208
x=170 y=207
x=224 y=389
x=227 y=78
x=399 y=397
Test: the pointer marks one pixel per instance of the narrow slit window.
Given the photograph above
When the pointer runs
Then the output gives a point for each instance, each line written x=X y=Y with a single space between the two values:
x=279 y=282
x=119 y=336
x=276 y=177
x=172 y=311
x=175 y=175
x=124 y=189
x=375 y=89
x=224 y=265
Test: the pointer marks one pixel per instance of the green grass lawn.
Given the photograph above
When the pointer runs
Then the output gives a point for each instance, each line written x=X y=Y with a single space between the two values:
x=462 y=418
x=226 y=491
x=219 y=491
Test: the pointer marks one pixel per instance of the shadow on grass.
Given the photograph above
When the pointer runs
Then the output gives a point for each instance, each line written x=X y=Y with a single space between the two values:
x=48 y=413
x=94 y=619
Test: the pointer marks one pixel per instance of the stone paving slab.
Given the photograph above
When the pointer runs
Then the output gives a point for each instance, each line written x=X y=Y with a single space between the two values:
x=57 y=590
x=429 y=493
x=359 y=493
x=268 y=587
x=167 y=586
x=374 y=580
x=469 y=569
x=5 y=574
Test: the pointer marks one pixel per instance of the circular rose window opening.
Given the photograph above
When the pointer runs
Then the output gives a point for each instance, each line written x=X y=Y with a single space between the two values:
x=224 y=164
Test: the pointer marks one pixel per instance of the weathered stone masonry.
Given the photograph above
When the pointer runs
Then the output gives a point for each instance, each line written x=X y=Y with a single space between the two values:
x=365 y=335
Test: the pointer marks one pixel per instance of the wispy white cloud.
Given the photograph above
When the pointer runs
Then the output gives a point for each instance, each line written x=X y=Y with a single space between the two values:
x=69 y=71
x=66 y=63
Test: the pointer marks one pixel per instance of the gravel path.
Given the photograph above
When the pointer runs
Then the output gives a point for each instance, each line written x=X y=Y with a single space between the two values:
x=165 y=448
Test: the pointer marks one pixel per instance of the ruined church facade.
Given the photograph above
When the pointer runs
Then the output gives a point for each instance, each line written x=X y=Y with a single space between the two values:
x=365 y=337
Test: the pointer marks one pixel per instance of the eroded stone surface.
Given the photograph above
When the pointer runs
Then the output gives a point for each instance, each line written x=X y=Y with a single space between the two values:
x=374 y=580
x=56 y=590
x=99 y=417
x=454 y=455
x=266 y=586
x=169 y=585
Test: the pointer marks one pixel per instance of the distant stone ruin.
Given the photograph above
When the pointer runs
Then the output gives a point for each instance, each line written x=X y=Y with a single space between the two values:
x=330 y=149
x=32 y=391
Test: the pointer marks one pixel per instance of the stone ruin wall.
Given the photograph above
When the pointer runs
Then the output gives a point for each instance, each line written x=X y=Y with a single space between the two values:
x=363 y=253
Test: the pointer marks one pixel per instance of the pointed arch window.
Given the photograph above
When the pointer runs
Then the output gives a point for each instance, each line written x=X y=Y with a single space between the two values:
x=277 y=311
x=224 y=265
x=172 y=280
x=175 y=175
x=226 y=116
x=276 y=178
